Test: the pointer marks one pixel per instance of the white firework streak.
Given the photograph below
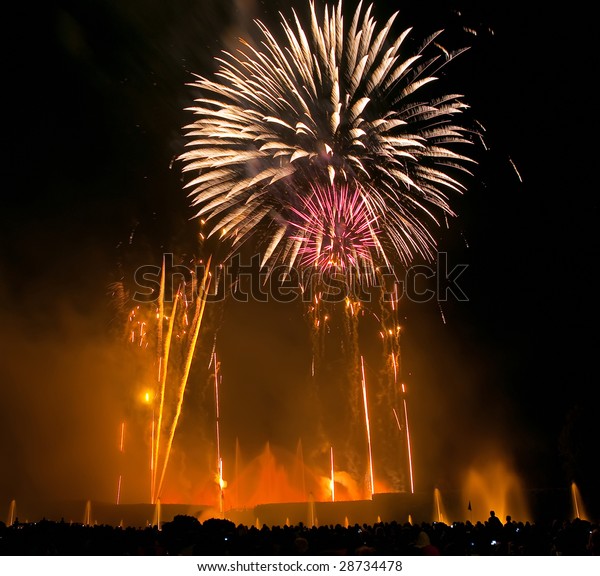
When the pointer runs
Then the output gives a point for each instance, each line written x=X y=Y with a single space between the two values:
x=326 y=106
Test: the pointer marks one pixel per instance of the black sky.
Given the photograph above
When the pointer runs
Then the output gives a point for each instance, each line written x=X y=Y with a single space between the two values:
x=94 y=96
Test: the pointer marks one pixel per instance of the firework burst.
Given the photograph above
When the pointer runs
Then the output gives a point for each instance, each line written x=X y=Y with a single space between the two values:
x=335 y=229
x=328 y=105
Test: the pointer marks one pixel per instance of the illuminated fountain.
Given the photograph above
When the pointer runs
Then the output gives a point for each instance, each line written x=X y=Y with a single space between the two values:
x=12 y=511
x=578 y=508
x=493 y=487
x=87 y=515
x=439 y=510
x=157 y=513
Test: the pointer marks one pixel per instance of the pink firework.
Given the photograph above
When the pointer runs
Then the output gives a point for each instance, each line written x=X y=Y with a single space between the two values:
x=336 y=230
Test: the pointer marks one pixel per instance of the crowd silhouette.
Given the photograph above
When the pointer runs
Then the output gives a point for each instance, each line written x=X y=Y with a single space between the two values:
x=185 y=535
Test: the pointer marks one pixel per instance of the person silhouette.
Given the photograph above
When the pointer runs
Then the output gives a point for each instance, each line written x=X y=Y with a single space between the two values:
x=494 y=525
x=493 y=520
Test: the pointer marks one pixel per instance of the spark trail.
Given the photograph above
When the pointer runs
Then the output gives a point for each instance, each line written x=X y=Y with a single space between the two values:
x=164 y=327
x=200 y=303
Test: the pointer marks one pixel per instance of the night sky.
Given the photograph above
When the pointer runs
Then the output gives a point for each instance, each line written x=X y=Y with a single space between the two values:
x=94 y=104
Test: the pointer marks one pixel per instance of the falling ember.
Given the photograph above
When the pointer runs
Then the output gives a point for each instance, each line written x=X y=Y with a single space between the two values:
x=216 y=377
x=152 y=462
x=408 y=448
x=220 y=480
x=364 y=389
x=515 y=169
x=397 y=420
x=121 y=450
x=332 y=476
x=122 y=440
x=442 y=313
x=119 y=490
x=222 y=485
